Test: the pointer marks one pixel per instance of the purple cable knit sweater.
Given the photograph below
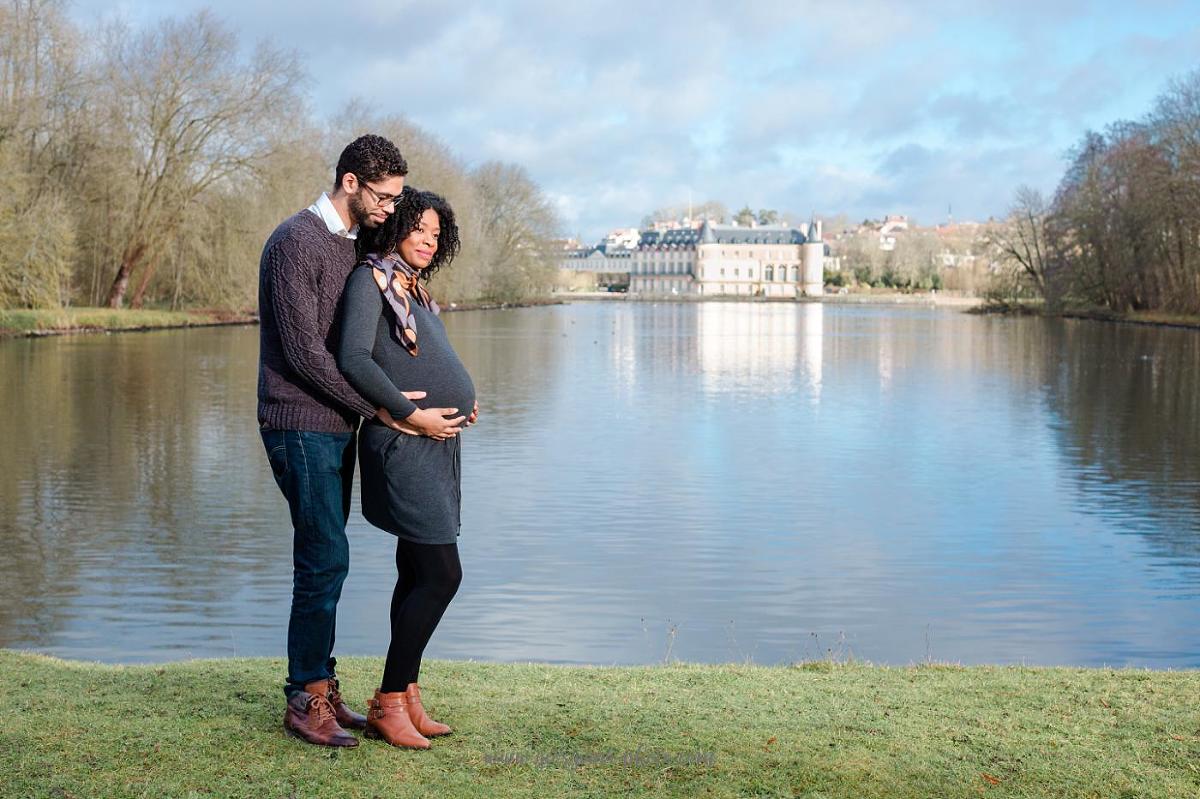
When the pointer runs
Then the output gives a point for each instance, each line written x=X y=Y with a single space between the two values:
x=300 y=280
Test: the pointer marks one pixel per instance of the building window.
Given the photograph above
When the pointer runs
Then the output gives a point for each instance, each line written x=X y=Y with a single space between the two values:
x=722 y=273
x=795 y=274
x=770 y=273
x=736 y=271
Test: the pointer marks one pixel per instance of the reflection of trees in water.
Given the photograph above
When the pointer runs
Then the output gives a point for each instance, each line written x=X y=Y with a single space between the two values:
x=37 y=525
x=126 y=462
x=508 y=353
x=1127 y=400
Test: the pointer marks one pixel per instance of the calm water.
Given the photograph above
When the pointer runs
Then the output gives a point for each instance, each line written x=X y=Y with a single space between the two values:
x=708 y=482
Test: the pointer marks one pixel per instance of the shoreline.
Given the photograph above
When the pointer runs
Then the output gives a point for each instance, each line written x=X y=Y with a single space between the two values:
x=888 y=298
x=828 y=662
x=1142 y=318
x=820 y=728
x=23 y=323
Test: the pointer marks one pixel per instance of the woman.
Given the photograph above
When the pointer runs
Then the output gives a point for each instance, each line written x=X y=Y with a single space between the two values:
x=391 y=336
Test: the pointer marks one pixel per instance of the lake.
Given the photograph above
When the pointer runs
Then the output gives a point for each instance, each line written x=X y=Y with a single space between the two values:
x=706 y=482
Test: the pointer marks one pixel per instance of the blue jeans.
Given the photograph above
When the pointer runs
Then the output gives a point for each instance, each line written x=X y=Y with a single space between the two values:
x=315 y=472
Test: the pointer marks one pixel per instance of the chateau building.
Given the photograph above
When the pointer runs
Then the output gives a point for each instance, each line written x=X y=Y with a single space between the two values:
x=715 y=260
x=664 y=262
x=601 y=258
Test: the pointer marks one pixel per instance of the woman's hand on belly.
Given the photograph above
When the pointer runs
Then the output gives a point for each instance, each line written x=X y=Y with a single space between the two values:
x=474 y=414
x=383 y=415
x=439 y=423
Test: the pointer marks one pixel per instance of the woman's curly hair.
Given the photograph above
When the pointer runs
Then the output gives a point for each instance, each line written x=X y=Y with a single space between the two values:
x=405 y=219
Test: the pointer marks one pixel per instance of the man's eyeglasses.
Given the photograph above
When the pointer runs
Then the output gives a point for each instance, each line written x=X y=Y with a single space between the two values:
x=382 y=200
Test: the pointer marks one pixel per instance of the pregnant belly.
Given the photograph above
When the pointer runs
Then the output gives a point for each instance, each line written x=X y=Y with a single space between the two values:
x=452 y=389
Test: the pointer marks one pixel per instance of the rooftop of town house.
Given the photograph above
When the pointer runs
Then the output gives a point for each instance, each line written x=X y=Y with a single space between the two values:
x=683 y=237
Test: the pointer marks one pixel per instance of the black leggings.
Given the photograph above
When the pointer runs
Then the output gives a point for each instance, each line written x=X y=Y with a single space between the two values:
x=429 y=575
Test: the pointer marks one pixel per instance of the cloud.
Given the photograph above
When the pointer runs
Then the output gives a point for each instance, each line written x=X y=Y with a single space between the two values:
x=619 y=108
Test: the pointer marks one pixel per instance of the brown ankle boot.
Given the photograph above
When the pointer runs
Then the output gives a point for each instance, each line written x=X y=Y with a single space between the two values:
x=425 y=725
x=341 y=711
x=387 y=718
x=310 y=717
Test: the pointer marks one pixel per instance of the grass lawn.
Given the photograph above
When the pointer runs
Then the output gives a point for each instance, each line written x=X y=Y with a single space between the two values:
x=213 y=728
x=20 y=322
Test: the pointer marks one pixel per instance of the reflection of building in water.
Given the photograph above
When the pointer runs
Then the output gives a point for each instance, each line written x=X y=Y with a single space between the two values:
x=759 y=348
x=714 y=260
x=812 y=345
x=886 y=362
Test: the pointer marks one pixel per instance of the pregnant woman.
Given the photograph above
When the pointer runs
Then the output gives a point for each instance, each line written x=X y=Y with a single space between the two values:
x=392 y=336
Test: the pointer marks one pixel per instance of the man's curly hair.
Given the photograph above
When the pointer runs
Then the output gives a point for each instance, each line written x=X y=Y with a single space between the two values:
x=384 y=239
x=369 y=158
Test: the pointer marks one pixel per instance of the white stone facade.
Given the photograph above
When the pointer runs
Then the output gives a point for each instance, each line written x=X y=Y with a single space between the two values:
x=664 y=263
x=726 y=260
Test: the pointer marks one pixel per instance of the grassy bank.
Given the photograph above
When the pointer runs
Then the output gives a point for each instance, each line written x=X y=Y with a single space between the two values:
x=22 y=322
x=212 y=728
x=1038 y=308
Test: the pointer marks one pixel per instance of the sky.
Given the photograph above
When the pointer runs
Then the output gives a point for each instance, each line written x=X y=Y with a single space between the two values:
x=924 y=108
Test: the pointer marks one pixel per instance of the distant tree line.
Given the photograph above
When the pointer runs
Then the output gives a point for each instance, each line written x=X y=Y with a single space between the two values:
x=147 y=167
x=716 y=212
x=1122 y=231
x=914 y=262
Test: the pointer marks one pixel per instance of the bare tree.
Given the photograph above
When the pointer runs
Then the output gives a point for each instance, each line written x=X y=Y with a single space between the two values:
x=187 y=114
x=519 y=226
x=1022 y=241
x=154 y=163
x=38 y=83
x=710 y=210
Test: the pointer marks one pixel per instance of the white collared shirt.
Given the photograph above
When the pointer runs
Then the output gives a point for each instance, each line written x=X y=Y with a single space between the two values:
x=323 y=208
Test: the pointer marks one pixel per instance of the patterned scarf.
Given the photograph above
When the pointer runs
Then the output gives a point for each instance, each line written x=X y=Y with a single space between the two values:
x=398 y=282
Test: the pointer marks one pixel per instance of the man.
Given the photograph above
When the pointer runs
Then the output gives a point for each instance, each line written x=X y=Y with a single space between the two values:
x=308 y=416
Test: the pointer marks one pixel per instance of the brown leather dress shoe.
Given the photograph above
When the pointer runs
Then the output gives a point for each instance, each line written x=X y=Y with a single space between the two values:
x=341 y=711
x=310 y=717
x=425 y=725
x=387 y=718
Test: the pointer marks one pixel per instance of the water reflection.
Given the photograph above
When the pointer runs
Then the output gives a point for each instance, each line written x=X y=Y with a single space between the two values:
x=719 y=481
x=756 y=349
x=1126 y=400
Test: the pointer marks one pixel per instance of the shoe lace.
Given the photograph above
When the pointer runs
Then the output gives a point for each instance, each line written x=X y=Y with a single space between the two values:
x=320 y=705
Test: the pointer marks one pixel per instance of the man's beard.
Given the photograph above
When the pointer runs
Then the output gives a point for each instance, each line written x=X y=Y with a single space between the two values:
x=358 y=211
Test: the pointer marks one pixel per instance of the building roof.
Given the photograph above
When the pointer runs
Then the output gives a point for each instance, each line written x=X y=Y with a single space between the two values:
x=764 y=234
x=814 y=230
x=601 y=250
x=683 y=237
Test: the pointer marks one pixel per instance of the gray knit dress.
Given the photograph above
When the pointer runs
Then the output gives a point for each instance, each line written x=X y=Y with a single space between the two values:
x=411 y=485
